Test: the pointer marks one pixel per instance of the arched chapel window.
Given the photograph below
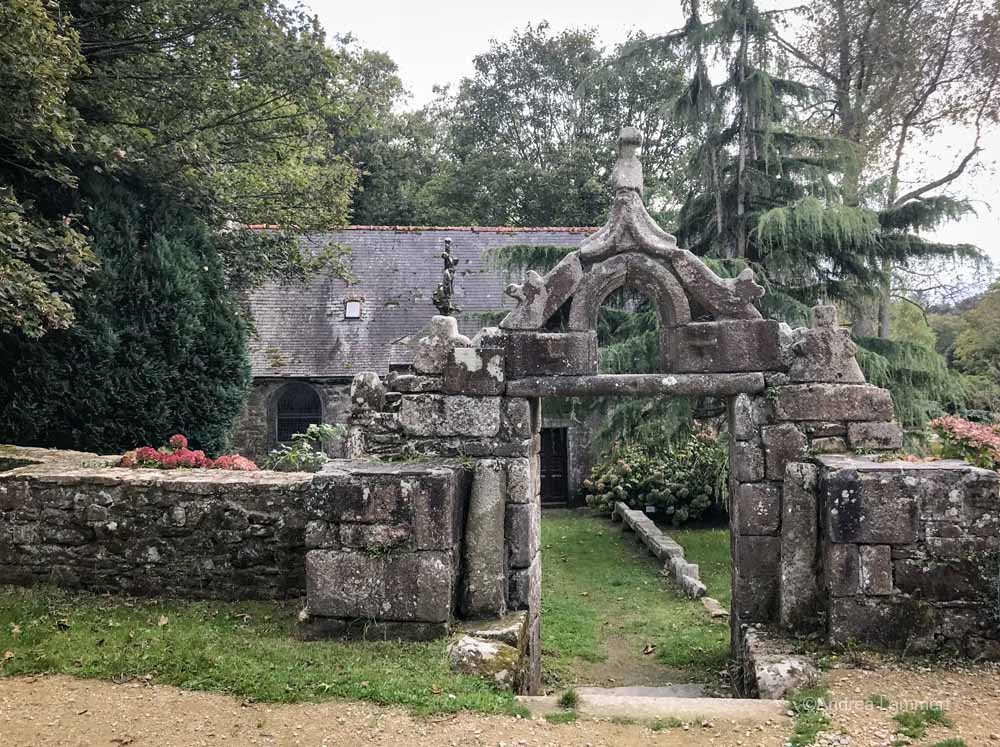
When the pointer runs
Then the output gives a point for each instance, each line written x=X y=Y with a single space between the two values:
x=298 y=407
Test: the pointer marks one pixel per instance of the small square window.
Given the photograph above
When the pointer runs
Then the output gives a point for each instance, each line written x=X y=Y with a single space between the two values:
x=352 y=310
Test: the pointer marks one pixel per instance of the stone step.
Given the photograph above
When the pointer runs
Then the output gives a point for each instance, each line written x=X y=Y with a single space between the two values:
x=643 y=691
x=643 y=708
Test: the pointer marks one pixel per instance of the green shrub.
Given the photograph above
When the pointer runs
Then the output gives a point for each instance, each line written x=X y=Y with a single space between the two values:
x=159 y=343
x=681 y=483
x=306 y=451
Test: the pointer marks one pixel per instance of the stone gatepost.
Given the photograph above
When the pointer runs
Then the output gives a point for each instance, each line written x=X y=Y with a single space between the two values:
x=818 y=404
x=455 y=405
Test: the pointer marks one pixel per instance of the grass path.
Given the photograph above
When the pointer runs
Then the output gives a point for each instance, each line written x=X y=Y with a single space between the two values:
x=600 y=588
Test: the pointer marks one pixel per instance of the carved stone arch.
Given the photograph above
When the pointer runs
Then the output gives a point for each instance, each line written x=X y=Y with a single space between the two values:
x=631 y=270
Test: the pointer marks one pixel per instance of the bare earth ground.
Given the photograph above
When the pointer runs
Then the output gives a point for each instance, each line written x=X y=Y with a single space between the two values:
x=66 y=711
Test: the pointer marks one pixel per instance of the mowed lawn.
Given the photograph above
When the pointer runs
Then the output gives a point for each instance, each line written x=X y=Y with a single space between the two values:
x=244 y=649
x=599 y=585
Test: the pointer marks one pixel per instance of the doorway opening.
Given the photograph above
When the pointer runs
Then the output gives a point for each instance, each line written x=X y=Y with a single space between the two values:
x=554 y=467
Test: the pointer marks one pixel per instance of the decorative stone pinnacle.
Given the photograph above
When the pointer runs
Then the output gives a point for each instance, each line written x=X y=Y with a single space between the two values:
x=445 y=291
x=628 y=169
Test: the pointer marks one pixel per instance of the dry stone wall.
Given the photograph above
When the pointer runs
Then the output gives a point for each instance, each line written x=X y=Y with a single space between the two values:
x=199 y=533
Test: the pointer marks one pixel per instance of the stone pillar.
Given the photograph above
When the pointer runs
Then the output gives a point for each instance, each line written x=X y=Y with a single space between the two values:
x=484 y=584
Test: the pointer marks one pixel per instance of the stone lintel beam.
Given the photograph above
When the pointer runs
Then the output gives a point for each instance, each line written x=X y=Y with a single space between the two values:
x=637 y=385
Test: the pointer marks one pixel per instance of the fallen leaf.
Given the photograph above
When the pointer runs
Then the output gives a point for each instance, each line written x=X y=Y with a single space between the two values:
x=649 y=648
x=8 y=655
x=163 y=620
x=15 y=629
x=435 y=689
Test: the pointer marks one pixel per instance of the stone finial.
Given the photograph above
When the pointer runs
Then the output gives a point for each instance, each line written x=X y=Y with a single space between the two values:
x=825 y=315
x=628 y=169
x=434 y=350
x=825 y=353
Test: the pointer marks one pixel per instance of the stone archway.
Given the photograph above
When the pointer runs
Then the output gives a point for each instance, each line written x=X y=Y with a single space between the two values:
x=791 y=394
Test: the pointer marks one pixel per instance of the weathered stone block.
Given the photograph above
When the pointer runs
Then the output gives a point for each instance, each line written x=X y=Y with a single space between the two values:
x=550 y=354
x=869 y=620
x=822 y=429
x=828 y=445
x=367 y=392
x=865 y=507
x=516 y=418
x=421 y=414
x=758 y=508
x=485 y=580
x=876 y=569
x=747 y=461
x=832 y=402
x=842 y=564
x=476 y=371
x=414 y=383
x=875 y=435
x=373 y=537
x=799 y=599
x=783 y=443
x=756 y=570
x=520 y=485
x=357 y=584
x=727 y=346
x=470 y=416
x=523 y=531
x=747 y=413
x=952 y=580
x=322 y=535
x=525 y=587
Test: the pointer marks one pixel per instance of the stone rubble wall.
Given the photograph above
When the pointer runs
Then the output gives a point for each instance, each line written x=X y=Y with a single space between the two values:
x=364 y=541
x=200 y=533
x=911 y=554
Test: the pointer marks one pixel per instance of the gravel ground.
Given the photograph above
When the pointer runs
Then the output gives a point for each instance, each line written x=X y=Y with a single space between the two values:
x=67 y=711
x=969 y=695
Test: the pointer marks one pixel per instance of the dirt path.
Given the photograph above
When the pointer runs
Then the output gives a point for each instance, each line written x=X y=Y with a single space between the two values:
x=66 y=711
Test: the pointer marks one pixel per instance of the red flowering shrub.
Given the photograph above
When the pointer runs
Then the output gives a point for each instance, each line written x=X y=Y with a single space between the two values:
x=962 y=439
x=177 y=454
x=234 y=462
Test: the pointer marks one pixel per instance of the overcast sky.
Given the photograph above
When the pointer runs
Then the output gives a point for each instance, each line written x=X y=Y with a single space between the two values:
x=434 y=41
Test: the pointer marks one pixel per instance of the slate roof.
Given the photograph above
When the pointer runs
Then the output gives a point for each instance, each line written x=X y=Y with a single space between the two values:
x=301 y=329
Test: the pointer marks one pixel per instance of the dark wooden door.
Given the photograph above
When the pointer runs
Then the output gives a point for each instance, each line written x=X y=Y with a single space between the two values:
x=554 y=466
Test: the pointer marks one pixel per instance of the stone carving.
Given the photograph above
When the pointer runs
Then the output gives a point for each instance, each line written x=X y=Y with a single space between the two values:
x=445 y=291
x=539 y=298
x=434 y=350
x=826 y=352
x=631 y=232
